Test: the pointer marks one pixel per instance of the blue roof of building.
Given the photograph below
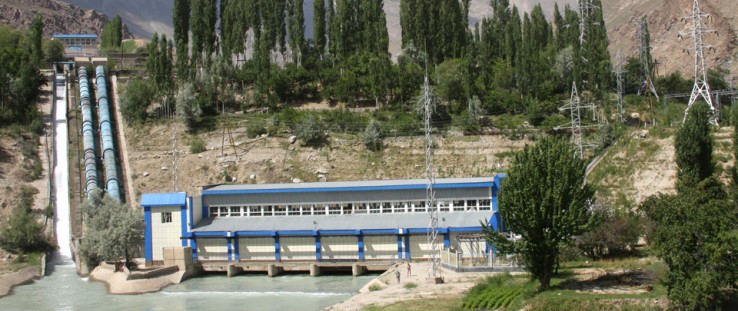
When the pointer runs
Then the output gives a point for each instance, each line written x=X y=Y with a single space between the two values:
x=164 y=199
x=76 y=35
x=365 y=185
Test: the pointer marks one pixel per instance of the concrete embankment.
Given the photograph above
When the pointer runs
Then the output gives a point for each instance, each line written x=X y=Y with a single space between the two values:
x=127 y=283
x=21 y=277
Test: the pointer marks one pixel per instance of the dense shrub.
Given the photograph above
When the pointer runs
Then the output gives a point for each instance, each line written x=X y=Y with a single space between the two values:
x=197 y=145
x=373 y=136
x=23 y=233
x=617 y=235
x=311 y=131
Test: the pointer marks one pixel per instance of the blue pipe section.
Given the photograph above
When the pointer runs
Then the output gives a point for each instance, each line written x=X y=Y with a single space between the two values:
x=112 y=184
x=88 y=132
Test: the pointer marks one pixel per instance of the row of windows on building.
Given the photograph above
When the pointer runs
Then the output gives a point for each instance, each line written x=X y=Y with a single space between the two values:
x=78 y=41
x=348 y=208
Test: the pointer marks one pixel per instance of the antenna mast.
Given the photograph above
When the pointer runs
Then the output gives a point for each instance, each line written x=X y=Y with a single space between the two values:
x=701 y=88
x=175 y=184
x=430 y=201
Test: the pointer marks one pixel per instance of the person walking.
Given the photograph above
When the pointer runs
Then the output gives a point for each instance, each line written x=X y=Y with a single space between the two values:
x=397 y=274
x=409 y=272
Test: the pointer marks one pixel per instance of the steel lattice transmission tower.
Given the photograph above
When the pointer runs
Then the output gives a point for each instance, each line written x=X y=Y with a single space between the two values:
x=585 y=11
x=701 y=88
x=619 y=77
x=575 y=108
x=644 y=54
x=430 y=200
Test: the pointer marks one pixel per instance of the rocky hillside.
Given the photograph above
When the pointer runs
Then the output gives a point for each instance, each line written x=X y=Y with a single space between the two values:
x=665 y=23
x=58 y=17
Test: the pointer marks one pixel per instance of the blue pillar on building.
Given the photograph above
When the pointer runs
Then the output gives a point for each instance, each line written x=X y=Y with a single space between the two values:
x=236 y=250
x=229 y=246
x=360 y=243
x=446 y=241
x=399 y=246
x=148 y=247
x=193 y=243
x=277 y=255
x=407 y=246
x=183 y=222
x=317 y=247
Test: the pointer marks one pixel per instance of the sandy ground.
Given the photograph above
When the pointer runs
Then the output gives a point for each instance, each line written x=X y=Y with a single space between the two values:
x=391 y=292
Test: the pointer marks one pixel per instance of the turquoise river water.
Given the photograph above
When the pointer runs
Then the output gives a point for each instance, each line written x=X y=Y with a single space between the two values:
x=63 y=289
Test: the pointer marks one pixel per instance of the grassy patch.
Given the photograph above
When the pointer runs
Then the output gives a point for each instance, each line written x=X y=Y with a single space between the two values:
x=410 y=285
x=450 y=303
x=375 y=287
x=22 y=262
x=498 y=292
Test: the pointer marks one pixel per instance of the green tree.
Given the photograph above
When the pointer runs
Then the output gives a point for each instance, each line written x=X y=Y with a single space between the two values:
x=188 y=109
x=136 y=99
x=112 y=34
x=37 y=37
x=181 y=21
x=297 y=30
x=311 y=131
x=53 y=51
x=114 y=230
x=373 y=136
x=692 y=234
x=22 y=233
x=319 y=31
x=693 y=146
x=546 y=201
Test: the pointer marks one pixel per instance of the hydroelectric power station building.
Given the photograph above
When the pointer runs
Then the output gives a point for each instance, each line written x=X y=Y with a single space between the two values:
x=379 y=220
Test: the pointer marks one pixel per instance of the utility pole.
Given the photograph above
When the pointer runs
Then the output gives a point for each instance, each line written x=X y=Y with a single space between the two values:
x=430 y=200
x=701 y=88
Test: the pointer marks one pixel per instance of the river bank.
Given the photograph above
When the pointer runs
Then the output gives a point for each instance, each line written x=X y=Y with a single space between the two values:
x=385 y=290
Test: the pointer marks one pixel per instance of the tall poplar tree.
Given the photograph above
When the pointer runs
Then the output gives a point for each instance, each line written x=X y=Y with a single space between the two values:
x=297 y=29
x=37 y=38
x=181 y=21
x=198 y=27
x=319 y=26
x=693 y=146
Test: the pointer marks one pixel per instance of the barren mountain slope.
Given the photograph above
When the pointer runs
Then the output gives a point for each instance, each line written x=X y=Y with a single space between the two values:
x=58 y=17
x=666 y=23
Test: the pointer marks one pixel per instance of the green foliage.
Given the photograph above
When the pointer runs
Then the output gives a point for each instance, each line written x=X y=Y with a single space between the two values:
x=188 y=109
x=255 y=130
x=53 y=51
x=113 y=231
x=615 y=236
x=449 y=78
x=23 y=233
x=181 y=22
x=496 y=292
x=692 y=234
x=410 y=285
x=138 y=96
x=693 y=146
x=546 y=201
x=37 y=38
x=375 y=287
x=310 y=130
x=197 y=145
x=112 y=34
x=373 y=137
